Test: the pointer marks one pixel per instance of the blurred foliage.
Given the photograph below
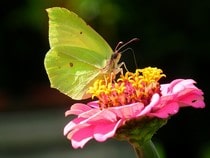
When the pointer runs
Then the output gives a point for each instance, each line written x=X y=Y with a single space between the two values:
x=204 y=151
x=174 y=36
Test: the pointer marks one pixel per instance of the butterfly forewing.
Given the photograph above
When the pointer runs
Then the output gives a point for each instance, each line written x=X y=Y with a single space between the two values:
x=66 y=28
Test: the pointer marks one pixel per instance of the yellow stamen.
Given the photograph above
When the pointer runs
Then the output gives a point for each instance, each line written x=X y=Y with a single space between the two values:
x=129 y=88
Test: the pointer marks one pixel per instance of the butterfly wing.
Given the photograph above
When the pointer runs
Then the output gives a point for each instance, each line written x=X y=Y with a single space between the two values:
x=71 y=73
x=66 y=28
x=77 y=53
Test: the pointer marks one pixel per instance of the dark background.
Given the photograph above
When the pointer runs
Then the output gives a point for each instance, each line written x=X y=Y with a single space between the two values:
x=174 y=36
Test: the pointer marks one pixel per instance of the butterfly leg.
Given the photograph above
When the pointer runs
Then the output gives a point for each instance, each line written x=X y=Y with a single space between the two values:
x=120 y=69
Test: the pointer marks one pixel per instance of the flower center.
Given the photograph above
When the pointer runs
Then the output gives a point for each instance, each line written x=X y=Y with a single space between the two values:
x=129 y=88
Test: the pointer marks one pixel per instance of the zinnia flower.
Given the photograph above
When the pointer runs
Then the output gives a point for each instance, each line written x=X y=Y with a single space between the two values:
x=131 y=108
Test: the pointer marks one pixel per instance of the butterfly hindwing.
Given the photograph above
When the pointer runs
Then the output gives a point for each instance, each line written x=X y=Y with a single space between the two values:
x=68 y=74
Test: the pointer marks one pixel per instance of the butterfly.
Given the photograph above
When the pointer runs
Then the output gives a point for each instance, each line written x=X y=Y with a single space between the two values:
x=78 y=55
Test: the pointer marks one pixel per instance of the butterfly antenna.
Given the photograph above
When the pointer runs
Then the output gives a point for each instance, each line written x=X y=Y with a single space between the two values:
x=134 y=56
x=120 y=45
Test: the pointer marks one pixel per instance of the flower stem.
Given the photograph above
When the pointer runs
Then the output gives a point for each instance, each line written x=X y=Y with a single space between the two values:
x=148 y=150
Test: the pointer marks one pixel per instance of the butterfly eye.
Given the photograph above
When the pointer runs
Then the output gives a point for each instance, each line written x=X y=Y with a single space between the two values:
x=114 y=56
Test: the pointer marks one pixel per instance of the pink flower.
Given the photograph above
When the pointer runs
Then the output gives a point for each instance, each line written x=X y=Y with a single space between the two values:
x=178 y=93
x=134 y=96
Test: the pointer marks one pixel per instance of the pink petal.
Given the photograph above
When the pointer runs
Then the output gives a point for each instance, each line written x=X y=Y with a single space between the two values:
x=193 y=100
x=77 y=109
x=176 y=86
x=100 y=130
x=128 y=111
x=72 y=124
x=101 y=115
x=94 y=104
x=184 y=84
x=95 y=120
x=154 y=102
x=106 y=130
x=81 y=136
x=167 y=110
x=184 y=92
x=89 y=113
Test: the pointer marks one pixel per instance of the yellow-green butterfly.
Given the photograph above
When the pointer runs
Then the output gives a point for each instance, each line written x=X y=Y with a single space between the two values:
x=78 y=55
